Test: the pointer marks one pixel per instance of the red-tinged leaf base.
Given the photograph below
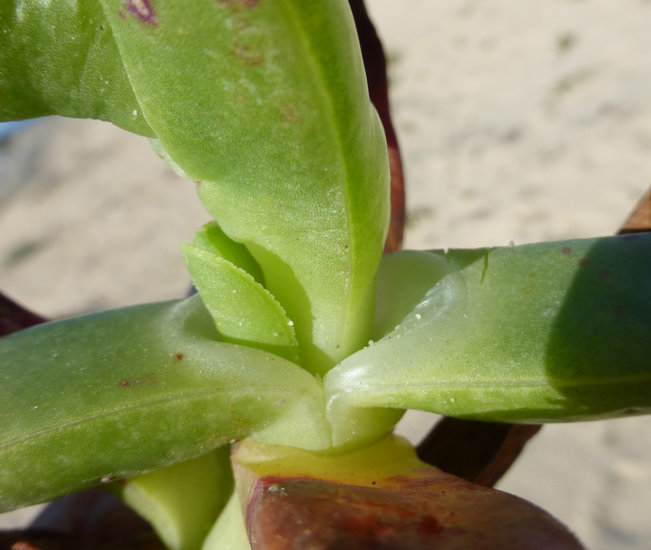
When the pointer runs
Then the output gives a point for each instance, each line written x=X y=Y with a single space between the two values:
x=380 y=498
x=434 y=511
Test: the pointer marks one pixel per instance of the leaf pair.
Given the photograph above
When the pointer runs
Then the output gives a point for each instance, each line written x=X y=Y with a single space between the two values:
x=264 y=103
x=143 y=387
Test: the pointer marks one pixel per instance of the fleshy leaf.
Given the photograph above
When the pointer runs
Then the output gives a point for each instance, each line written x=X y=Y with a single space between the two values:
x=182 y=501
x=244 y=311
x=380 y=496
x=61 y=58
x=116 y=394
x=536 y=333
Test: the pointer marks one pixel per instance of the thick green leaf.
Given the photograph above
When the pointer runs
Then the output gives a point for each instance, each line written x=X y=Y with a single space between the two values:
x=182 y=501
x=296 y=167
x=264 y=102
x=61 y=58
x=536 y=333
x=119 y=393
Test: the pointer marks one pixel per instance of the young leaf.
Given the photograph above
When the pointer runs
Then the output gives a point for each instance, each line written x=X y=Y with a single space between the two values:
x=244 y=311
x=212 y=239
x=536 y=333
x=120 y=393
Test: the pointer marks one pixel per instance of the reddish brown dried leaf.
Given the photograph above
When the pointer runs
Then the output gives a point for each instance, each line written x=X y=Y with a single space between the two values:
x=35 y=540
x=480 y=452
x=43 y=540
x=432 y=510
x=375 y=66
x=14 y=317
x=640 y=218
x=379 y=497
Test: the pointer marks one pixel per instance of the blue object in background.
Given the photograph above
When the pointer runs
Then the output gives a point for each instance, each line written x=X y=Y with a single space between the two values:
x=8 y=128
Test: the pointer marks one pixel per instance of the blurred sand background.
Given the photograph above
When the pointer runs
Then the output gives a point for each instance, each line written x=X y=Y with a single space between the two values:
x=518 y=121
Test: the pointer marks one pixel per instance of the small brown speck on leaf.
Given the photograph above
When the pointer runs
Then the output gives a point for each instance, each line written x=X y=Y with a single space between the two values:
x=566 y=250
x=178 y=356
x=584 y=262
x=144 y=380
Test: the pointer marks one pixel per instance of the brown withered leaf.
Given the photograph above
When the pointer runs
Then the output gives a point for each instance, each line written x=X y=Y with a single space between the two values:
x=639 y=219
x=35 y=540
x=480 y=452
x=379 y=497
x=44 y=540
x=433 y=510
x=14 y=317
x=376 y=75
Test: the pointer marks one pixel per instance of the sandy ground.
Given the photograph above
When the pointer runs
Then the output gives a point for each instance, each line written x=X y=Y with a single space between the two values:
x=519 y=123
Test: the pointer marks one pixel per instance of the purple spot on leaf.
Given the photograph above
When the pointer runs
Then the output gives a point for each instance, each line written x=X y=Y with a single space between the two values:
x=566 y=250
x=584 y=262
x=143 y=10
